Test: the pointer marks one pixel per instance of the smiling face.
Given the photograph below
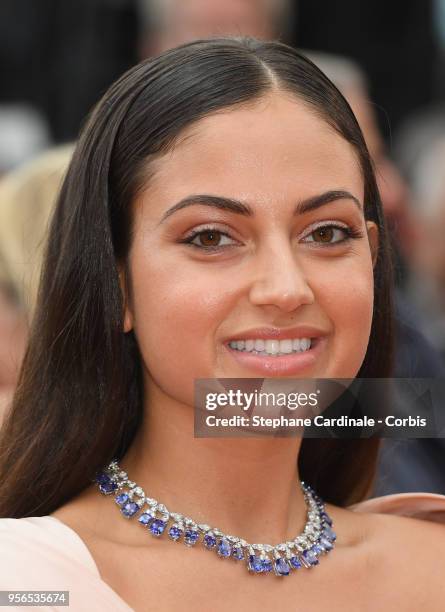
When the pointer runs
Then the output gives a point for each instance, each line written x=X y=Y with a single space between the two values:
x=253 y=220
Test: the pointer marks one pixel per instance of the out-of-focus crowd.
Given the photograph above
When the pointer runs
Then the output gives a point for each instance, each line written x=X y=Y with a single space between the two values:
x=410 y=172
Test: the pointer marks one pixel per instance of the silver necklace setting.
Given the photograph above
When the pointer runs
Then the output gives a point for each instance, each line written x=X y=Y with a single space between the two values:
x=317 y=538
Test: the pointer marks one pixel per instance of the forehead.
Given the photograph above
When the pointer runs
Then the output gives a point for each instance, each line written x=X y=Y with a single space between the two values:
x=273 y=150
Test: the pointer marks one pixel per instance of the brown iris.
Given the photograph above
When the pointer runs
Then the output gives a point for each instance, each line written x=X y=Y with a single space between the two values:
x=213 y=238
x=323 y=234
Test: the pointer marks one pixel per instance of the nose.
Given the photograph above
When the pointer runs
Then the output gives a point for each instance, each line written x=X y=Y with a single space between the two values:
x=279 y=280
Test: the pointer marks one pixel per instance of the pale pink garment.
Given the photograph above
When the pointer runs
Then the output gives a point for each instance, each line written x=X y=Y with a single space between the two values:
x=40 y=553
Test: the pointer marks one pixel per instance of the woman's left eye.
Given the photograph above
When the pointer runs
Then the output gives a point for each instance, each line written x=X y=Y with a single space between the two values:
x=329 y=234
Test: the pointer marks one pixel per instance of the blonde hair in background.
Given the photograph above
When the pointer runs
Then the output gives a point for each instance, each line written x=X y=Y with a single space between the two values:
x=27 y=199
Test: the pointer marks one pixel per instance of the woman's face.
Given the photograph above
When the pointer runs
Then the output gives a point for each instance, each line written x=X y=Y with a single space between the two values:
x=268 y=245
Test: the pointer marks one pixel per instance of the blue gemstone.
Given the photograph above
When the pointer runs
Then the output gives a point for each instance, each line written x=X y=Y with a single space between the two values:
x=267 y=565
x=175 y=532
x=108 y=487
x=129 y=509
x=295 y=562
x=327 y=544
x=255 y=564
x=326 y=518
x=191 y=537
x=224 y=548
x=209 y=540
x=329 y=534
x=102 y=478
x=318 y=549
x=310 y=557
x=145 y=518
x=281 y=567
x=157 y=527
x=121 y=499
x=238 y=553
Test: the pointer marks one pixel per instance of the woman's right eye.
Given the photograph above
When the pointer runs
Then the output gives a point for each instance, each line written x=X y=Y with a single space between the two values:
x=208 y=239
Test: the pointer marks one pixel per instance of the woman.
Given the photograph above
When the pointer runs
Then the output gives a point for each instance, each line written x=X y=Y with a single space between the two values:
x=221 y=193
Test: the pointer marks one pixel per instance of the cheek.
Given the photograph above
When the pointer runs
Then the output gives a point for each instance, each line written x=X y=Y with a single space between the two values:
x=347 y=299
x=176 y=313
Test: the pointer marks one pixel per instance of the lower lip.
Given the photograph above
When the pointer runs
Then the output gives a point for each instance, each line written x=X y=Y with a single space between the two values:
x=282 y=365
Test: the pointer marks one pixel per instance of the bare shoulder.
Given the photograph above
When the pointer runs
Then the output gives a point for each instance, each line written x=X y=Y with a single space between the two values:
x=405 y=556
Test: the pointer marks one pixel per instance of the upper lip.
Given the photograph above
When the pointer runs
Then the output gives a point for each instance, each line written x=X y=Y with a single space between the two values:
x=279 y=333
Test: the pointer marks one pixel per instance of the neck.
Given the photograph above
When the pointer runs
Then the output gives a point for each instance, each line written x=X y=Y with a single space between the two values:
x=246 y=487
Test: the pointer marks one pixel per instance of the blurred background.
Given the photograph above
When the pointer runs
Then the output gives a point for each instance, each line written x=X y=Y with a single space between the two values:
x=58 y=57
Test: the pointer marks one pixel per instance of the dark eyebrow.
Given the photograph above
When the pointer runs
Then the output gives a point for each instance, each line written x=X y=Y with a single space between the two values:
x=325 y=198
x=240 y=208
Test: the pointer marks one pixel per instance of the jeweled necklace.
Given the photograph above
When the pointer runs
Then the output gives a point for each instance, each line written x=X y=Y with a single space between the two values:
x=303 y=551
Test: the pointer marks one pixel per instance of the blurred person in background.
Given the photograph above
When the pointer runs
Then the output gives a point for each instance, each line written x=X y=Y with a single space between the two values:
x=427 y=284
x=168 y=23
x=23 y=134
x=27 y=197
x=13 y=337
x=415 y=136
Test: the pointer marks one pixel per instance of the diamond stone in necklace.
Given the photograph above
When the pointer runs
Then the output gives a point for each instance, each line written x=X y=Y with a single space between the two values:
x=303 y=551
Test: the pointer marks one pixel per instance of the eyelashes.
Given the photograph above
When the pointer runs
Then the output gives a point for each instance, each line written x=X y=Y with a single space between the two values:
x=209 y=231
x=324 y=232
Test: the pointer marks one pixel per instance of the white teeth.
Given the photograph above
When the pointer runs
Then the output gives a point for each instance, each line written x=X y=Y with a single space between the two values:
x=259 y=345
x=305 y=343
x=272 y=347
x=250 y=345
x=285 y=346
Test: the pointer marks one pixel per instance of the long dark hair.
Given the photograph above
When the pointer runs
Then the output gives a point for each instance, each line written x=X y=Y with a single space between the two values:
x=79 y=403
